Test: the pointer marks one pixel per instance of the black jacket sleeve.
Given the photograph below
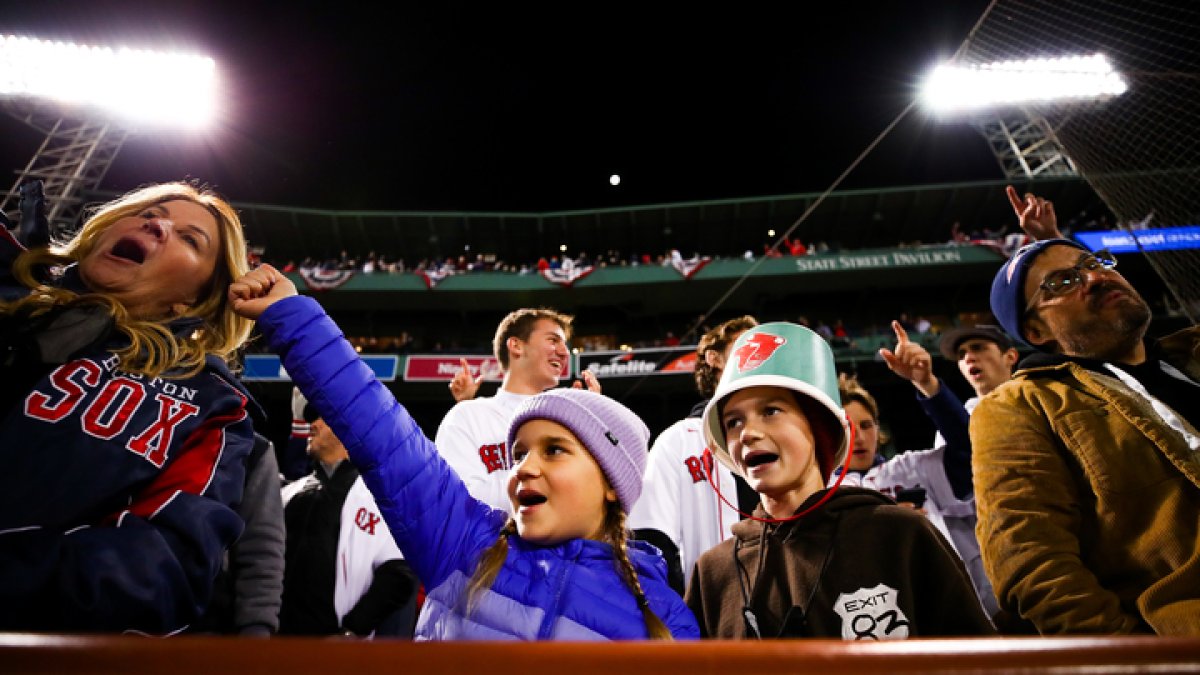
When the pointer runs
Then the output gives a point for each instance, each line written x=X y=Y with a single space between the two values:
x=669 y=552
x=393 y=586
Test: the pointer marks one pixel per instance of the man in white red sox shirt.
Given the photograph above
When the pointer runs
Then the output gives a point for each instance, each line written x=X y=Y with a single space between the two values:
x=531 y=346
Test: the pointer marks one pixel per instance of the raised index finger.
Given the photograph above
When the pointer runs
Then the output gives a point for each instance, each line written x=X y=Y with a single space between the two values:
x=1018 y=204
x=901 y=334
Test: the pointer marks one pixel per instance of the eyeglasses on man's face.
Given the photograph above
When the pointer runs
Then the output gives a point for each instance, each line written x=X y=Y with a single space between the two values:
x=1063 y=281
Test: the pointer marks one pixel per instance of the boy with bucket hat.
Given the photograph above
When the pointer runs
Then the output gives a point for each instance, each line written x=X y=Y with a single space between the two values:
x=811 y=561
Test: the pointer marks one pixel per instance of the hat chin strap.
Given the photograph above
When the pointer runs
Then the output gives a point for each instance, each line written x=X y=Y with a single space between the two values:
x=828 y=494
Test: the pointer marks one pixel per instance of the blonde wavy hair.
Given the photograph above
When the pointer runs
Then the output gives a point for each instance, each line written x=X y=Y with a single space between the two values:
x=615 y=534
x=154 y=350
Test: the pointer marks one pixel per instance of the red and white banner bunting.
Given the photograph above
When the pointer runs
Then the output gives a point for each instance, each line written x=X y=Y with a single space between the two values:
x=318 y=279
x=433 y=277
x=689 y=267
x=567 y=277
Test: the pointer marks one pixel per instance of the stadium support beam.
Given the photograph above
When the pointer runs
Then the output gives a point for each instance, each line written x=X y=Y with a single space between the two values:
x=73 y=159
x=1025 y=147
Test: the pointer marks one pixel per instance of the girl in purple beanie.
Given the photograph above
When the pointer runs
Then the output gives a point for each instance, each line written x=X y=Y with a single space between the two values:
x=561 y=568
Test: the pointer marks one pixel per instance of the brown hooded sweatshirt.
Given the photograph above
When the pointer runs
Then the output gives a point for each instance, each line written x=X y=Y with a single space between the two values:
x=858 y=568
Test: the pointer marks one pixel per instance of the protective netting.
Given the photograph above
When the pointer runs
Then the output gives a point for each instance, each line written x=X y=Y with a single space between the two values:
x=1140 y=151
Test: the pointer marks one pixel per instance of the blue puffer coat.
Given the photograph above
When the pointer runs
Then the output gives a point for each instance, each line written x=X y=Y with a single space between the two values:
x=571 y=591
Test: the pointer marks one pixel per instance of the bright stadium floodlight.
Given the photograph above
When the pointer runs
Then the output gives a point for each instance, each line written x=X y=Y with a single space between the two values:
x=141 y=87
x=950 y=89
x=88 y=101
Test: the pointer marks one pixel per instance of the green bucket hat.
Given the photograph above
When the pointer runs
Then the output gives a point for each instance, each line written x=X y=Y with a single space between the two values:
x=781 y=355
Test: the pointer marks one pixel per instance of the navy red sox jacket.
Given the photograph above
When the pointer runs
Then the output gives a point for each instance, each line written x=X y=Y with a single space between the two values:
x=115 y=488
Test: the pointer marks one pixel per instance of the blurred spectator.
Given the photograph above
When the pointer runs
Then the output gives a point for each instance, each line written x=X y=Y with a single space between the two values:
x=795 y=247
x=824 y=330
x=957 y=236
x=841 y=338
x=344 y=574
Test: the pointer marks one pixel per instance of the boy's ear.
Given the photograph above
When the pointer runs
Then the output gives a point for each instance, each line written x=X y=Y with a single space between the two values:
x=610 y=495
x=515 y=346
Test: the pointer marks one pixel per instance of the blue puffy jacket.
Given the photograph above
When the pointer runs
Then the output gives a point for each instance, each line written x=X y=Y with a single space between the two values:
x=571 y=591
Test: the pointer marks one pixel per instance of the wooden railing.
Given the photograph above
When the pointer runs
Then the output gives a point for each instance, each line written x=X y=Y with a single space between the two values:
x=26 y=653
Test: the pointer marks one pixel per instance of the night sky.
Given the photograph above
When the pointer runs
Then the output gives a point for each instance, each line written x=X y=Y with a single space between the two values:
x=346 y=106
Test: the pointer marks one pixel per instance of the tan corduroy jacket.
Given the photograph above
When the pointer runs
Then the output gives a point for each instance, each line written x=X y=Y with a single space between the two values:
x=1089 y=503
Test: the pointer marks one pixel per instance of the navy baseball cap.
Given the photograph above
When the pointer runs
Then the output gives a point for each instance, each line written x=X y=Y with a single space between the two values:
x=1008 y=288
x=951 y=339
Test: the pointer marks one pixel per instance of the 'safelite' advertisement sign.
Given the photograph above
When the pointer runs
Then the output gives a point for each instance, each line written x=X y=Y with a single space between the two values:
x=639 y=362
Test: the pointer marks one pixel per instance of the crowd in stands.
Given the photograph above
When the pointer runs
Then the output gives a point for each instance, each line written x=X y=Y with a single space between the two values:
x=1004 y=238
x=374 y=263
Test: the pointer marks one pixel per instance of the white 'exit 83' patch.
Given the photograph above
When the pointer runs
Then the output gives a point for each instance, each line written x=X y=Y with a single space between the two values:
x=871 y=614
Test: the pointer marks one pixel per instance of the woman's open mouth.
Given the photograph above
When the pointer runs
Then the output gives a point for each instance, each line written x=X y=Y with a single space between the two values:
x=129 y=249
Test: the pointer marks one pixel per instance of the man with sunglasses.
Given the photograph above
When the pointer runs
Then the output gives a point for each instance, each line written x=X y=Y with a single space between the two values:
x=1087 y=464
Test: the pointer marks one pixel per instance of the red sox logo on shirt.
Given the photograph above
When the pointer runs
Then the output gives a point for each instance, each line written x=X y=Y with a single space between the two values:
x=119 y=402
x=758 y=348
x=492 y=456
x=699 y=467
x=365 y=520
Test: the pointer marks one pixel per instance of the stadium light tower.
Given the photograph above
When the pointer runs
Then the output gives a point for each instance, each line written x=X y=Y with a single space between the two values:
x=87 y=101
x=997 y=96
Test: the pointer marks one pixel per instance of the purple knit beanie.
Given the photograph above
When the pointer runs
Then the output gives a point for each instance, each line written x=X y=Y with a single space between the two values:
x=616 y=437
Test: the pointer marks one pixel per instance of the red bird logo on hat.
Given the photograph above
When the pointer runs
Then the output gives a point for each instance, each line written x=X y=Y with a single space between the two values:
x=758 y=348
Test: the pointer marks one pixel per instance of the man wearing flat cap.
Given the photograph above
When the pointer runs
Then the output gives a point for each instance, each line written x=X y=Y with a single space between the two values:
x=985 y=356
x=1087 y=464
